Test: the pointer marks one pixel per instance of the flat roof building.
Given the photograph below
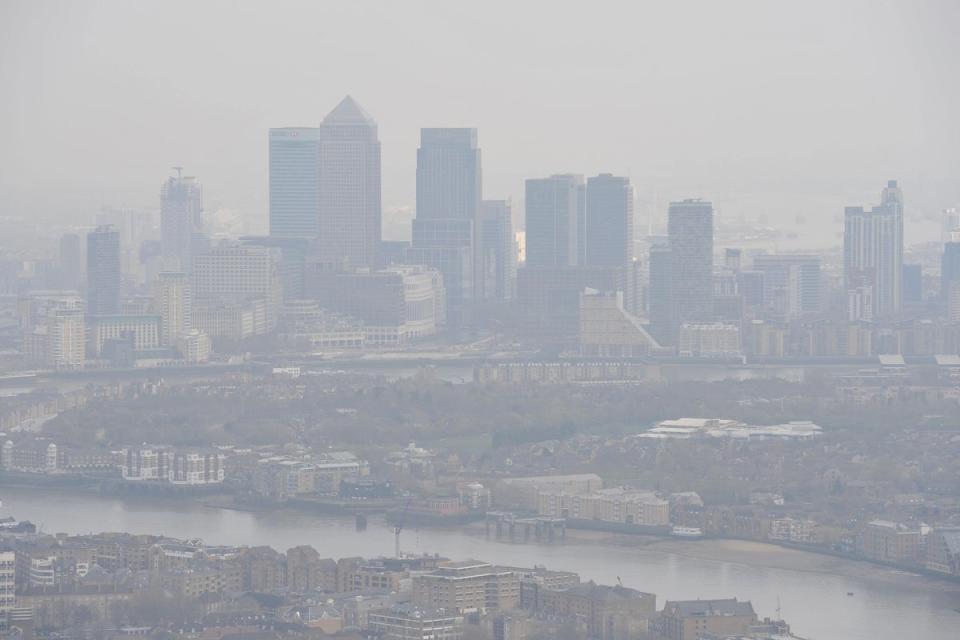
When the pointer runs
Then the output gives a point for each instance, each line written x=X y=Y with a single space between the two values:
x=690 y=619
x=468 y=586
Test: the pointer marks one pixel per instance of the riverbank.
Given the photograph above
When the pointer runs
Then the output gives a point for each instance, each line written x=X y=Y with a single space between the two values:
x=750 y=553
x=760 y=554
x=107 y=485
x=739 y=552
x=885 y=605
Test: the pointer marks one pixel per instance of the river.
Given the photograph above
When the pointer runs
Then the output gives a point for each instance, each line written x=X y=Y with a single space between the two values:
x=811 y=592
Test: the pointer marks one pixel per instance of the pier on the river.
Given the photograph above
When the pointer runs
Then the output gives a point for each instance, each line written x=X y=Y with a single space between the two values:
x=516 y=527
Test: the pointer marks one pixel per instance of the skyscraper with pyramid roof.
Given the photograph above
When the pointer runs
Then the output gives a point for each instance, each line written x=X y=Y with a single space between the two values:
x=349 y=210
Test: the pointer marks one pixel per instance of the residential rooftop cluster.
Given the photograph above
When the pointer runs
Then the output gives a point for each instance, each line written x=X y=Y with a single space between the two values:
x=113 y=583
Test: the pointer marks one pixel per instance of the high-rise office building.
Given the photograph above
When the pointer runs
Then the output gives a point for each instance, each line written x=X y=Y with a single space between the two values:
x=392 y=252
x=791 y=284
x=912 y=284
x=181 y=221
x=295 y=182
x=349 y=186
x=891 y=254
x=578 y=236
x=455 y=264
x=292 y=253
x=8 y=582
x=607 y=237
x=949 y=269
x=103 y=272
x=552 y=220
x=659 y=295
x=690 y=234
x=728 y=306
x=873 y=252
x=232 y=269
x=135 y=227
x=498 y=262
x=953 y=301
x=549 y=299
x=750 y=287
x=449 y=188
x=394 y=304
x=172 y=301
x=449 y=181
x=233 y=275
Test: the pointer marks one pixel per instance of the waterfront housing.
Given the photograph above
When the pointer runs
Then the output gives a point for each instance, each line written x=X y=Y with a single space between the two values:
x=622 y=505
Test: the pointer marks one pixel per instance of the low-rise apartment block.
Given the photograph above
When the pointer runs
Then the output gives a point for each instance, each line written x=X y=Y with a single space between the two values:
x=887 y=541
x=403 y=622
x=692 y=619
x=617 y=505
x=608 y=613
x=468 y=586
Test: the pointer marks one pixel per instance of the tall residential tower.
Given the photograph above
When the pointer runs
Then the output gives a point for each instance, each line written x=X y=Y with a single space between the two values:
x=172 y=301
x=181 y=221
x=873 y=256
x=103 y=272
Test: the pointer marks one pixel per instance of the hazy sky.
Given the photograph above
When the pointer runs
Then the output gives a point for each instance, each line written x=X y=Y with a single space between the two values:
x=779 y=108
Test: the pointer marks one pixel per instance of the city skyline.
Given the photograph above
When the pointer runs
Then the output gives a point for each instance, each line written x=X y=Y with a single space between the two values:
x=647 y=215
x=295 y=152
x=479 y=321
x=830 y=155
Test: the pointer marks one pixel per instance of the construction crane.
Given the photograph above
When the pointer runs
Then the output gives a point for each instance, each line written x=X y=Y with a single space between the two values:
x=398 y=527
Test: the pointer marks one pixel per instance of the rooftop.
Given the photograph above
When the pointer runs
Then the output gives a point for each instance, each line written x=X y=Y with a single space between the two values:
x=726 y=607
x=348 y=112
x=606 y=593
x=462 y=565
x=574 y=477
x=412 y=612
x=466 y=569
